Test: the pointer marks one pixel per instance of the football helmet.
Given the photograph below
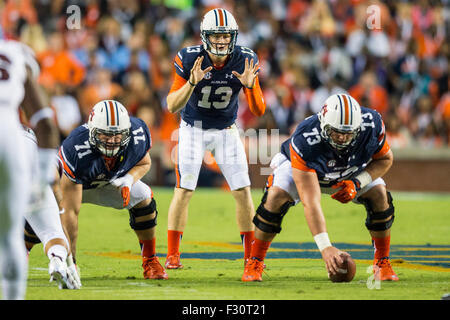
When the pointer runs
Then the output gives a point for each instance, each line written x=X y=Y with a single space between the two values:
x=218 y=21
x=341 y=113
x=109 y=118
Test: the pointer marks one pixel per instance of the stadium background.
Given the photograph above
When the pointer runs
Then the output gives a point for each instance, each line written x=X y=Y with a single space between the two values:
x=307 y=49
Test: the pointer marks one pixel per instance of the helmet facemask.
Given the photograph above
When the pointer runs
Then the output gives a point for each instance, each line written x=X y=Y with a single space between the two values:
x=109 y=148
x=212 y=47
x=339 y=146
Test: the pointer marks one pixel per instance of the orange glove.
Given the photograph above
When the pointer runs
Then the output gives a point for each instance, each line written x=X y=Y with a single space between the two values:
x=124 y=185
x=125 y=196
x=348 y=190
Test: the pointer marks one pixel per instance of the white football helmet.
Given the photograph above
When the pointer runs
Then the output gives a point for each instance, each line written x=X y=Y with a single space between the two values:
x=340 y=113
x=218 y=21
x=110 y=118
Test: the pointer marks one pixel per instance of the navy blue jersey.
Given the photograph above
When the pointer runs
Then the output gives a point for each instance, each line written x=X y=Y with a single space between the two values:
x=331 y=166
x=83 y=164
x=214 y=101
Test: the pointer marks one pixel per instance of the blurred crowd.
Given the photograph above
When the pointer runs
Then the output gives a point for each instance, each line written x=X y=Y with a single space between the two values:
x=392 y=56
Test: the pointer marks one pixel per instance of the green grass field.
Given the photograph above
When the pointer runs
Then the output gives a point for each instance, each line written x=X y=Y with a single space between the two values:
x=108 y=254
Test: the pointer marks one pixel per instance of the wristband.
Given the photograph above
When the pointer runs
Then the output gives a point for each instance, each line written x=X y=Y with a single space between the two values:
x=189 y=80
x=40 y=115
x=364 y=179
x=322 y=241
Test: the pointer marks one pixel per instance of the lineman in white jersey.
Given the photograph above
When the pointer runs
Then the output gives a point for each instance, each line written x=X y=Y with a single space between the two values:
x=18 y=70
x=43 y=217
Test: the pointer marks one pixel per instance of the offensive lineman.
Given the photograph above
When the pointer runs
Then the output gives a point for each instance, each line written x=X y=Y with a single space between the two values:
x=342 y=147
x=207 y=81
x=103 y=162
x=18 y=86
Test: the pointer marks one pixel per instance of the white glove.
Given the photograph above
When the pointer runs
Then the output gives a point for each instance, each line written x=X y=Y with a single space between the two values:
x=73 y=272
x=124 y=184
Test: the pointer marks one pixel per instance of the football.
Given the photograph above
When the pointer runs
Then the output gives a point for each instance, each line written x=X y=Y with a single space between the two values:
x=347 y=270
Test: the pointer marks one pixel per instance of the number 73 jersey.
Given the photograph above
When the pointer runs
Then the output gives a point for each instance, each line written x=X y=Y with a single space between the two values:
x=308 y=151
x=83 y=164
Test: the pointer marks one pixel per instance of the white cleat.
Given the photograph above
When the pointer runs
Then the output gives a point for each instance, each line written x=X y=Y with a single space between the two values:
x=57 y=269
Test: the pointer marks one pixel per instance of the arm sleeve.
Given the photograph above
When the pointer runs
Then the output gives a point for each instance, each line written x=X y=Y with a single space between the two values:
x=255 y=99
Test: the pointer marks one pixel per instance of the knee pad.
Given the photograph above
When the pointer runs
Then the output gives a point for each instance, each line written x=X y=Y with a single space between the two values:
x=275 y=218
x=372 y=215
x=140 y=212
x=29 y=234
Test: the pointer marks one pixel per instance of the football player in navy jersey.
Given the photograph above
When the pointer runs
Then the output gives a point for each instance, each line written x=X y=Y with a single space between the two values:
x=207 y=82
x=103 y=162
x=341 y=151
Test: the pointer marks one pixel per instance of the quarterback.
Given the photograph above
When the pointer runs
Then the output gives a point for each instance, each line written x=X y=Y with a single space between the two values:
x=207 y=82
x=103 y=162
x=341 y=151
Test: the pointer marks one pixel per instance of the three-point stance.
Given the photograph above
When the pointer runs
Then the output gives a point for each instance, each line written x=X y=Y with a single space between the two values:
x=104 y=161
x=342 y=148
x=206 y=86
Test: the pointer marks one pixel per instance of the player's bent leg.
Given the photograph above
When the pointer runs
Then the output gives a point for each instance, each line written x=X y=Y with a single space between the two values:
x=143 y=221
x=269 y=215
x=177 y=219
x=380 y=217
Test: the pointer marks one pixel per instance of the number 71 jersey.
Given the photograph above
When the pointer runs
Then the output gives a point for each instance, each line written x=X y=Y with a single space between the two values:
x=308 y=151
x=83 y=164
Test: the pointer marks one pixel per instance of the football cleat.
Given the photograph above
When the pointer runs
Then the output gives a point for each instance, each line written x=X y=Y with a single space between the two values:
x=253 y=270
x=57 y=269
x=153 y=269
x=173 y=262
x=383 y=270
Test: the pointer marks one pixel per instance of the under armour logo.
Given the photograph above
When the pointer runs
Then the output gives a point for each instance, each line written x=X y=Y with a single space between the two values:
x=208 y=75
x=229 y=76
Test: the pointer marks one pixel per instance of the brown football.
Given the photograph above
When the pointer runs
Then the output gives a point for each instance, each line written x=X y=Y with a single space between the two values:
x=347 y=270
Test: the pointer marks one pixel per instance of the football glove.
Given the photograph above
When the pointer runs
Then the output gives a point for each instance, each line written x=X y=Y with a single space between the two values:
x=348 y=191
x=73 y=272
x=124 y=184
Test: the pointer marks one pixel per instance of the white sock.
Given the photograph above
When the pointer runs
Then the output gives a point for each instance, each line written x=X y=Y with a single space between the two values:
x=57 y=250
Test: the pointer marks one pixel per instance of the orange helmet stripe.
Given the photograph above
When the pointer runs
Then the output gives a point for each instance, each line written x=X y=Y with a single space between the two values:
x=347 y=111
x=221 y=18
x=112 y=113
